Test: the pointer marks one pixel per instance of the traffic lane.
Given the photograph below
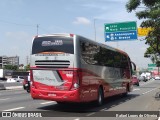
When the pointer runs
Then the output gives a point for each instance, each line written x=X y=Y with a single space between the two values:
x=4 y=93
x=68 y=110
x=10 y=85
x=71 y=109
x=142 y=83
x=24 y=102
x=10 y=98
x=84 y=109
x=17 y=99
x=92 y=107
x=146 y=87
x=144 y=102
x=8 y=95
x=88 y=111
x=7 y=84
x=110 y=102
x=89 y=115
x=76 y=115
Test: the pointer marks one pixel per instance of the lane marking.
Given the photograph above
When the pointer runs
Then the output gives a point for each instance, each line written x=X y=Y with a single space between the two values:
x=5 y=98
x=90 y=114
x=47 y=102
x=77 y=119
x=147 y=82
x=149 y=91
x=14 y=87
x=136 y=89
x=19 y=92
x=104 y=109
x=14 y=109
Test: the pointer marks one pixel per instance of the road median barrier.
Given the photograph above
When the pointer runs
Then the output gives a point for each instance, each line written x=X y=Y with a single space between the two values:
x=14 y=87
x=2 y=87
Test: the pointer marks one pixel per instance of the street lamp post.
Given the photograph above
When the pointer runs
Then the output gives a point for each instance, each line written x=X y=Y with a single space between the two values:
x=95 y=29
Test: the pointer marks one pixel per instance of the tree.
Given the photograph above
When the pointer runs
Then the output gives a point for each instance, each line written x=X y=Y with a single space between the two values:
x=11 y=67
x=151 y=18
x=27 y=67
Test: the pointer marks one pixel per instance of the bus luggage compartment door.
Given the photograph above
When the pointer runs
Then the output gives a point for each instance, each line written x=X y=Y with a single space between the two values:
x=53 y=80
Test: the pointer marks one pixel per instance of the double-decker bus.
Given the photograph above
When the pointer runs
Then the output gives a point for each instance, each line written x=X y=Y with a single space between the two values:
x=72 y=68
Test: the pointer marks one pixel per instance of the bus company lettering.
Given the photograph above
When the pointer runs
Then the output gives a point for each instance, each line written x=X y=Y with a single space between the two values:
x=44 y=79
x=50 y=43
x=25 y=114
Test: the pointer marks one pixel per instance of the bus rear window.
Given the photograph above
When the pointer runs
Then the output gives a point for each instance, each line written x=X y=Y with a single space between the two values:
x=52 y=44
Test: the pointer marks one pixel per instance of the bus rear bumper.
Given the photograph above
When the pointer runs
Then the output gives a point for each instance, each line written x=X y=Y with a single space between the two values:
x=59 y=96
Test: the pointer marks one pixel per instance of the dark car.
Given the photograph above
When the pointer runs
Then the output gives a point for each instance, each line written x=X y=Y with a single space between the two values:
x=3 y=79
x=135 y=80
x=26 y=85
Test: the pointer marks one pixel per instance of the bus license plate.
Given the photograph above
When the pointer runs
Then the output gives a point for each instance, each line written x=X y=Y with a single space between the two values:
x=52 y=94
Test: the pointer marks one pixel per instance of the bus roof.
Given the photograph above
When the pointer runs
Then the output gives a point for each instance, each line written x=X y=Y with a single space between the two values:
x=56 y=34
x=71 y=35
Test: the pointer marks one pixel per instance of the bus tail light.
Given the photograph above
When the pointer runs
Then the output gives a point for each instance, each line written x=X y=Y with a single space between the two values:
x=75 y=83
x=72 y=77
x=71 y=35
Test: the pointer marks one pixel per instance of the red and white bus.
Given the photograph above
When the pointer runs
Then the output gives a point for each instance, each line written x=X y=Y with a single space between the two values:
x=72 y=68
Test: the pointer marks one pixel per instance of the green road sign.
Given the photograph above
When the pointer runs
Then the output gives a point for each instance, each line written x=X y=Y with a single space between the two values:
x=152 y=65
x=119 y=27
x=150 y=69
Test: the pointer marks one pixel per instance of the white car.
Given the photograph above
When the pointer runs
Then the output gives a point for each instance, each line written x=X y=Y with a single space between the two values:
x=11 y=80
x=157 y=77
x=18 y=78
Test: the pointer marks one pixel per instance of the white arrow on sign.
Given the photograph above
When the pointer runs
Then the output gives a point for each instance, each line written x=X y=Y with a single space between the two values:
x=107 y=28
x=112 y=38
x=107 y=36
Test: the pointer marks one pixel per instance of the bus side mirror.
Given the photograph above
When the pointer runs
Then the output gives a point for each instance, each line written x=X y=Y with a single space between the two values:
x=134 y=65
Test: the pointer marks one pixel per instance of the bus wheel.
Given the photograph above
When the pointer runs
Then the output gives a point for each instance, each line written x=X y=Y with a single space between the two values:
x=61 y=103
x=28 y=90
x=100 y=98
x=127 y=89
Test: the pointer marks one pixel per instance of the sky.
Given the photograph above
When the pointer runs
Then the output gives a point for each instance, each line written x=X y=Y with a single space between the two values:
x=19 y=20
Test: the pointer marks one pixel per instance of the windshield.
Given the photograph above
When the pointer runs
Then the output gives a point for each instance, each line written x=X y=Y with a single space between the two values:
x=42 y=45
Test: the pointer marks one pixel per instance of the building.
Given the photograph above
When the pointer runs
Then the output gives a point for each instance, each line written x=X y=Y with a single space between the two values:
x=13 y=60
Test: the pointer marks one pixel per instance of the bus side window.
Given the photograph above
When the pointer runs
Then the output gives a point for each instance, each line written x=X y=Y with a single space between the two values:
x=125 y=67
x=83 y=46
x=124 y=62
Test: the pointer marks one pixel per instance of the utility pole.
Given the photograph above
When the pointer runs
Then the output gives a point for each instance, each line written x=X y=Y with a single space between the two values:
x=37 y=28
x=27 y=60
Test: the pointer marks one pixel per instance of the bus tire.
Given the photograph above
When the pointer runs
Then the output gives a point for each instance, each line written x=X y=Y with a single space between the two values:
x=28 y=90
x=100 y=98
x=61 y=103
x=127 y=90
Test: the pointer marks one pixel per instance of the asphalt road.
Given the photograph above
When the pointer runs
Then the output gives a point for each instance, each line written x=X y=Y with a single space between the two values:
x=142 y=98
x=10 y=83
